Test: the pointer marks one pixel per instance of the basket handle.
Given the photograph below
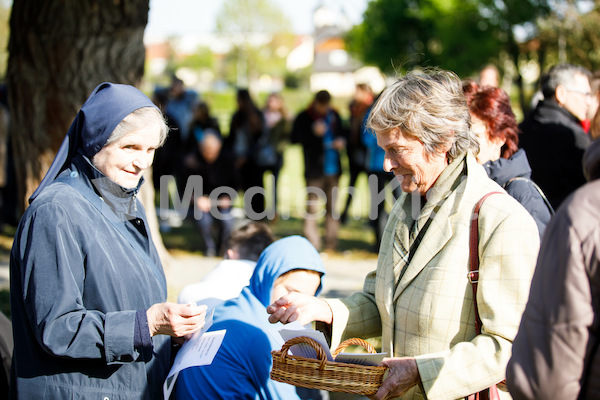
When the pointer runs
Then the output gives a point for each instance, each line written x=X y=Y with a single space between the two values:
x=304 y=339
x=354 y=341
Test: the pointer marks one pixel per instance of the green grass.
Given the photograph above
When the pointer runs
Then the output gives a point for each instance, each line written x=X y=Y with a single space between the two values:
x=7 y=233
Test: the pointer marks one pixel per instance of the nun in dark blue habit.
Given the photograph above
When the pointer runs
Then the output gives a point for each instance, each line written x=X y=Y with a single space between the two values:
x=87 y=287
x=241 y=367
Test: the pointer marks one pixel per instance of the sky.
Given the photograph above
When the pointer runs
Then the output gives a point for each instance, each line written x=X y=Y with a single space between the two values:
x=179 y=17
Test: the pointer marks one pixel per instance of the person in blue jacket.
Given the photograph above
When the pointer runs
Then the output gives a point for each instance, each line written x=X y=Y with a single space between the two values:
x=241 y=367
x=86 y=284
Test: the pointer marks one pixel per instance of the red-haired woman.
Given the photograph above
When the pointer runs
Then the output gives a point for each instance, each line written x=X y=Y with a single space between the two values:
x=495 y=125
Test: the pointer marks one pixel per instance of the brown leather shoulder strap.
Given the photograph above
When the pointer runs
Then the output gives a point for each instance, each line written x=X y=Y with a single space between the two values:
x=474 y=256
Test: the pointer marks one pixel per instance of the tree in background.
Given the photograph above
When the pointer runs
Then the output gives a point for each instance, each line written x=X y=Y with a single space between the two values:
x=509 y=17
x=261 y=31
x=570 y=34
x=203 y=58
x=398 y=35
x=60 y=50
x=462 y=36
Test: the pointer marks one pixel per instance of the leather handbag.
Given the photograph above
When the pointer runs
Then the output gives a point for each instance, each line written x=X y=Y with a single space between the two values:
x=490 y=393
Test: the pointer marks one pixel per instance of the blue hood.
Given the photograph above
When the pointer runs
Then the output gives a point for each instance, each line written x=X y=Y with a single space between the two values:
x=284 y=255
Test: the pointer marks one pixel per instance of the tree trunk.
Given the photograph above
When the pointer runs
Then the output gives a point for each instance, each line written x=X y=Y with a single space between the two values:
x=60 y=50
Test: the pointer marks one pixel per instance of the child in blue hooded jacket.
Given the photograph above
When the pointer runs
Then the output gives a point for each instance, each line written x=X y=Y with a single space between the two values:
x=241 y=368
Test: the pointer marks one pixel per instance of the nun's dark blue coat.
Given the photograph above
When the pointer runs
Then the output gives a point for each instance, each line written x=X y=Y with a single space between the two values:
x=79 y=273
x=82 y=264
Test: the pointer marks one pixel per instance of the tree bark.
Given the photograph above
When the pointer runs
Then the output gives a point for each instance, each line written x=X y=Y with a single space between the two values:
x=60 y=50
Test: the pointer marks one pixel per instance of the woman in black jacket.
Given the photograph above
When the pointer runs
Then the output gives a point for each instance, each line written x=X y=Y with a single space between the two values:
x=495 y=125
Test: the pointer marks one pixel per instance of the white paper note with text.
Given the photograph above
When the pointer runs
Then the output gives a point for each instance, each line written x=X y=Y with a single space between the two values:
x=199 y=350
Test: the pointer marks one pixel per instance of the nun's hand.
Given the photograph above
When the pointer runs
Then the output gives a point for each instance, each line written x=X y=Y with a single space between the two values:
x=175 y=320
x=299 y=307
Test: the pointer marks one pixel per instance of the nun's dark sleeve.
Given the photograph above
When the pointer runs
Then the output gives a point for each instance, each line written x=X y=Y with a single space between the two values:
x=52 y=274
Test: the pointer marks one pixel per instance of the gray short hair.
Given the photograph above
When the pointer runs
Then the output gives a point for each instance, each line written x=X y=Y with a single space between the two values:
x=561 y=74
x=429 y=106
x=138 y=119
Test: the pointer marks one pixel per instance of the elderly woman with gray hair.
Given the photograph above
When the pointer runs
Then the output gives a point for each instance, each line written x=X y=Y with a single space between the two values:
x=420 y=298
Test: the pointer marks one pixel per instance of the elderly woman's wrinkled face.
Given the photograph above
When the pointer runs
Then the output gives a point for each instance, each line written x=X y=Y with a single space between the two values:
x=405 y=156
x=125 y=160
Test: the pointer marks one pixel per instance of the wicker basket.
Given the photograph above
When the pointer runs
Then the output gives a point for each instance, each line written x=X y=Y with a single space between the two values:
x=326 y=375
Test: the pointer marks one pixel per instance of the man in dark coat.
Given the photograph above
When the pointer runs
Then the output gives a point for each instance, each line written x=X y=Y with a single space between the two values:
x=319 y=130
x=552 y=135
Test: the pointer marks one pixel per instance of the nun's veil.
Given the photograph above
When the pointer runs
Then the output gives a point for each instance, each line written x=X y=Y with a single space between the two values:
x=106 y=107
